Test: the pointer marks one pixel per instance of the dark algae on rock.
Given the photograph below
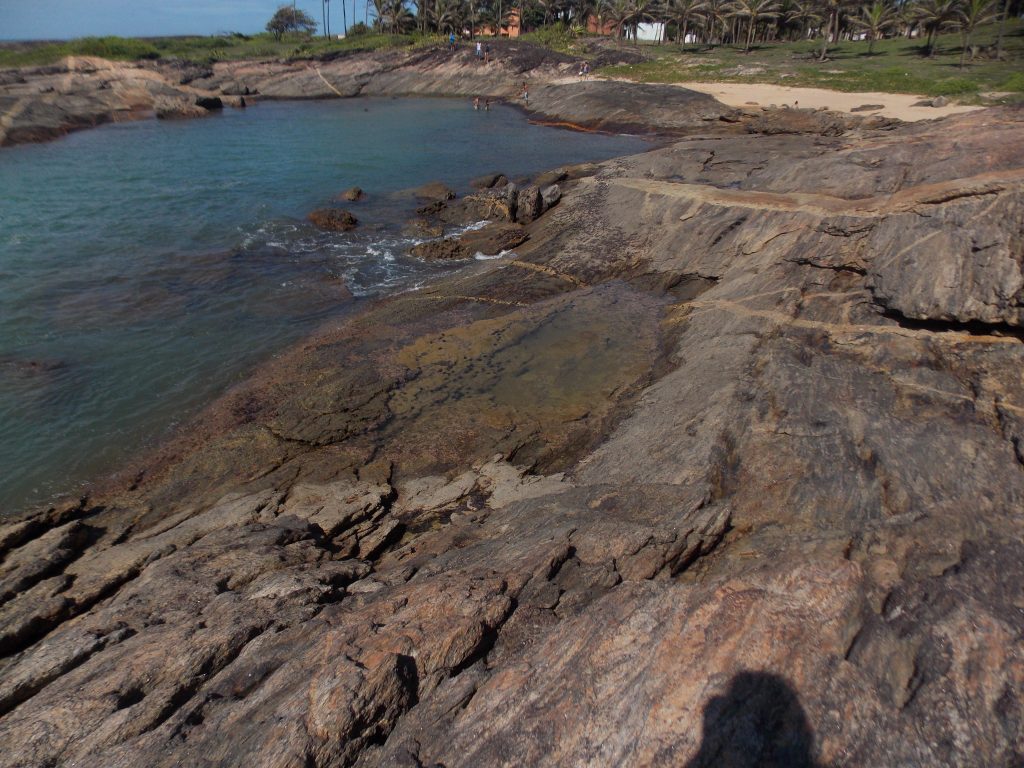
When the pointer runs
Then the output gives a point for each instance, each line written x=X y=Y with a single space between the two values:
x=722 y=466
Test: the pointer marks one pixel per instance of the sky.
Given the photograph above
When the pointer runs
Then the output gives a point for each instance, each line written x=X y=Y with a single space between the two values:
x=63 y=19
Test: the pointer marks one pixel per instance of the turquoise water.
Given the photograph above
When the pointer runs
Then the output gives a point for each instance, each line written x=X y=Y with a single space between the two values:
x=145 y=267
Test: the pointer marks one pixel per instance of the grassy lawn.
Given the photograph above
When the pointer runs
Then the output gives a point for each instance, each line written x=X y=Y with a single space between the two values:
x=896 y=66
x=203 y=50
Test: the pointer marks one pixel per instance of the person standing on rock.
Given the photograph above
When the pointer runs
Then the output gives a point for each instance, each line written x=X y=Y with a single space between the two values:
x=526 y=93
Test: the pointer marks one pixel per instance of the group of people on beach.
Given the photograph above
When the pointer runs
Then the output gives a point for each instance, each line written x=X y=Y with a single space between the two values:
x=584 y=72
x=486 y=104
x=483 y=52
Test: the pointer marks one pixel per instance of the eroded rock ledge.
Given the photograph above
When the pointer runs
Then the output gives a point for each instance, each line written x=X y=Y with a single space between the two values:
x=724 y=462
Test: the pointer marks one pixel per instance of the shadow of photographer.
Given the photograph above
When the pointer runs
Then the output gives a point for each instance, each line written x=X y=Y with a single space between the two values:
x=757 y=723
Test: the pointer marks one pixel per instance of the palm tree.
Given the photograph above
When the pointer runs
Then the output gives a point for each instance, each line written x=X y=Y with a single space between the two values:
x=805 y=14
x=753 y=10
x=641 y=11
x=969 y=16
x=447 y=15
x=422 y=12
x=875 y=20
x=717 y=12
x=682 y=12
x=619 y=13
x=1002 y=23
x=934 y=16
x=833 y=9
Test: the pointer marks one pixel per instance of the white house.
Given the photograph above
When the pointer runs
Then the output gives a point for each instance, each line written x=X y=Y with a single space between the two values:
x=651 y=32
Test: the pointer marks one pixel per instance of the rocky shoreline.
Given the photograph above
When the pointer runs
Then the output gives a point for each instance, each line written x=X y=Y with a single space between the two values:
x=44 y=103
x=722 y=467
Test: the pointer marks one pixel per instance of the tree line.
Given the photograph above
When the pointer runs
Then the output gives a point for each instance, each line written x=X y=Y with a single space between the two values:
x=706 y=22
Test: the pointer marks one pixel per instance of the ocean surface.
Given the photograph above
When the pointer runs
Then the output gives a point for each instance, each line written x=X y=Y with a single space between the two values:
x=146 y=267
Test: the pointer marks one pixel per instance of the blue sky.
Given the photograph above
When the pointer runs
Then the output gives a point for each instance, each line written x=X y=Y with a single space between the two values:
x=61 y=19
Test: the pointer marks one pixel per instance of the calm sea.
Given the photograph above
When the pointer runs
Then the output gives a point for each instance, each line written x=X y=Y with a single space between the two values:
x=145 y=267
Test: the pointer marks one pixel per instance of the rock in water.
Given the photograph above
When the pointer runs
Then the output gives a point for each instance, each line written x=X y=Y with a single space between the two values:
x=352 y=194
x=488 y=241
x=333 y=219
x=433 y=191
x=489 y=181
x=209 y=103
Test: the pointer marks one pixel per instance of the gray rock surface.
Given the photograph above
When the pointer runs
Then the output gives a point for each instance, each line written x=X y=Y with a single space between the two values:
x=726 y=461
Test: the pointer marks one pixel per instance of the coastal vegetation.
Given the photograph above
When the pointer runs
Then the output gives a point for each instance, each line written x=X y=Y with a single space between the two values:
x=972 y=50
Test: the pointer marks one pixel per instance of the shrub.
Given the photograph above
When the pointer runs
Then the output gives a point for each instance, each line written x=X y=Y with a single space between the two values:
x=358 y=29
x=954 y=86
x=123 y=48
x=1014 y=82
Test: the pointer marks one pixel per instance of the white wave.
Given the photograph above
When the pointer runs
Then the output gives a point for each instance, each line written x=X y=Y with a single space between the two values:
x=481 y=257
x=472 y=227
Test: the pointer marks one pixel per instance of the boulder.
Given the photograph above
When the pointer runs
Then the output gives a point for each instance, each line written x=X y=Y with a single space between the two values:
x=333 y=219
x=446 y=249
x=352 y=194
x=489 y=181
x=528 y=205
x=549 y=197
x=548 y=178
x=940 y=101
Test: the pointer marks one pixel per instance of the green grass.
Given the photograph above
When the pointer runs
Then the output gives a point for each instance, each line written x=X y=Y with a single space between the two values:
x=203 y=50
x=896 y=66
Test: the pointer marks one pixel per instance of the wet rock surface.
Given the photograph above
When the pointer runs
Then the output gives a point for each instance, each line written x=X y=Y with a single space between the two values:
x=490 y=240
x=724 y=462
x=333 y=219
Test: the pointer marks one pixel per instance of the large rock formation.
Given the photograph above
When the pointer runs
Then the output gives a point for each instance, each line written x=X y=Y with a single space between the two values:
x=723 y=468
x=42 y=103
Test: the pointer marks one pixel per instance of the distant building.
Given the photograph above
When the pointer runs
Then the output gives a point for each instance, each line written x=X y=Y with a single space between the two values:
x=651 y=32
x=510 y=28
x=594 y=28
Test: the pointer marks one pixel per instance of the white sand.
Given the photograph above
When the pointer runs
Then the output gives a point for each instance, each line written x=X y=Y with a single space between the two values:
x=898 y=105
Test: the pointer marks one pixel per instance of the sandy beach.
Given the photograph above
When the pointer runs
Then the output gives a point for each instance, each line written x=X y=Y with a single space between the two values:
x=898 y=105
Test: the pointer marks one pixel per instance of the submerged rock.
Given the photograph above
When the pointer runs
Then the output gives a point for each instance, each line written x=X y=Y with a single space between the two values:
x=433 y=191
x=352 y=194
